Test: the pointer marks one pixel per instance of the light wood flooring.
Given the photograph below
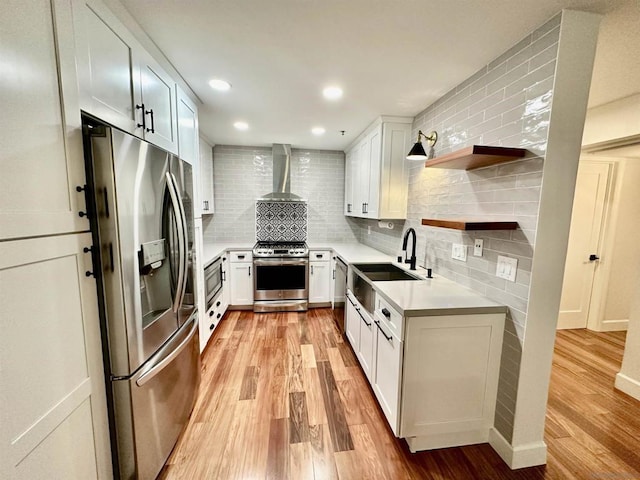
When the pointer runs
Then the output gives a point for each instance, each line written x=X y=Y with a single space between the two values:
x=282 y=397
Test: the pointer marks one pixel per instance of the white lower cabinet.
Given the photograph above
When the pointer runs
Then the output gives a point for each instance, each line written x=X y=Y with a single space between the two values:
x=387 y=373
x=435 y=377
x=53 y=405
x=319 y=277
x=226 y=288
x=450 y=379
x=241 y=278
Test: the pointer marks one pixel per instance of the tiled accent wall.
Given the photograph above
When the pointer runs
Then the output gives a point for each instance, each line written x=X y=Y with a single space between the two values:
x=281 y=221
x=244 y=174
x=506 y=103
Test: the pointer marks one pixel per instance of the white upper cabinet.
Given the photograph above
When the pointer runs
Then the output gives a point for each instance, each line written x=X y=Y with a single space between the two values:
x=377 y=172
x=187 y=128
x=40 y=138
x=108 y=70
x=206 y=177
x=119 y=81
x=158 y=105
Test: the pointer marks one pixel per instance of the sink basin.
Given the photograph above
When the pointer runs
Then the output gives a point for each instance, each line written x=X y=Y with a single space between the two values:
x=384 y=272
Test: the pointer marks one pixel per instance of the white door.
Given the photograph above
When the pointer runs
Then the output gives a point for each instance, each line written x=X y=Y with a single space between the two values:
x=584 y=242
x=158 y=98
x=373 y=194
x=319 y=282
x=241 y=283
x=53 y=412
x=352 y=325
x=40 y=149
x=367 y=344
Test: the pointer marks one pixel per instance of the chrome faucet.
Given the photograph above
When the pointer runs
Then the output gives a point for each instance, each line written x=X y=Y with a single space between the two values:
x=411 y=260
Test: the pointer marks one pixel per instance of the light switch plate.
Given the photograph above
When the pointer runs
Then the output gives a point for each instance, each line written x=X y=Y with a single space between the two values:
x=477 y=247
x=507 y=268
x=459 y=252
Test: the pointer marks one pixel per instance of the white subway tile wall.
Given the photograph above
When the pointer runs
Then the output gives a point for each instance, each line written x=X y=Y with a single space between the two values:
x=507 y=103
x=243 y=174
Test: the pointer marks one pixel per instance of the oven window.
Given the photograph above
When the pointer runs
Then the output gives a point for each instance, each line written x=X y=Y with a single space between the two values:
x=281 y=277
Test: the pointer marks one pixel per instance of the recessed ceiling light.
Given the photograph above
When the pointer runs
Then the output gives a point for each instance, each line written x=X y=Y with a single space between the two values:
x=318 y=130
x=220 y=85
x=241 y=125
x=332 y=93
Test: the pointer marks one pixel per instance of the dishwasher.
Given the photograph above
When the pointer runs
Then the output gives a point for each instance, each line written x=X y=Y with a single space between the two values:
x=340 y=290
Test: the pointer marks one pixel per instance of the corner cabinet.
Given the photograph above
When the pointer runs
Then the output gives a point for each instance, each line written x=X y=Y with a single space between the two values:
x=377 y=172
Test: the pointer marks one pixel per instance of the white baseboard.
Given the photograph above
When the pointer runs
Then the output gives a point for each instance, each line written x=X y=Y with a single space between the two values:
x=529 y=455
x=628 y=385
x=614 y=325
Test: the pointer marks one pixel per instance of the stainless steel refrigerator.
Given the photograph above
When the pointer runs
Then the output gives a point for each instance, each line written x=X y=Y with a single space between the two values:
x=140 y=206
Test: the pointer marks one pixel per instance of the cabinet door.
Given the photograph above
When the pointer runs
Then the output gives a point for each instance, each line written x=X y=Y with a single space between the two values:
x=41 y=156
x=53 y=404
x=352 y=324
x=361 y=188
x=187 y=128
x=367 y=345
x=200 y=287
x=319 y=282
x=386 y=373
x=108 y=73
x=348 y=182
x=158 y=98
x=394 y=171
x=241 y=283
x=374 y=140
x=206 y=177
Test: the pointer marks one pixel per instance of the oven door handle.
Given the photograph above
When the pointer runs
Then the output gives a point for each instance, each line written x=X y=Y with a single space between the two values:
x=278 y=262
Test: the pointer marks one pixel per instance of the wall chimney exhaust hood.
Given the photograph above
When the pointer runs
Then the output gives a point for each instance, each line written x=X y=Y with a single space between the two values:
x=281 y=176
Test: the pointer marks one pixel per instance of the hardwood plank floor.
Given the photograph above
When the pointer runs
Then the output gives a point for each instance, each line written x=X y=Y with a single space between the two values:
x=282 y=397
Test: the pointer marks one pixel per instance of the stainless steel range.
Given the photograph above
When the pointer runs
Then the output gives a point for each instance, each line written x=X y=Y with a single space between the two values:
x=281 y=279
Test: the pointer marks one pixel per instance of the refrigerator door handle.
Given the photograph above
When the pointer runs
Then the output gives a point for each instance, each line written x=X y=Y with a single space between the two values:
x=166 y=360
x=185 y=240
x=182 y=250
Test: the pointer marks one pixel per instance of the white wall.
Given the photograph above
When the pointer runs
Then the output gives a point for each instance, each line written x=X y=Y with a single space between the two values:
x=625 y=257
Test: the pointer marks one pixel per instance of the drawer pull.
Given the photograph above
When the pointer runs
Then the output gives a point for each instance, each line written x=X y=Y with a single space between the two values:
x=388 y=337
x=211 y=313
x=241 y=257
x=212 y=326
x=386 y=313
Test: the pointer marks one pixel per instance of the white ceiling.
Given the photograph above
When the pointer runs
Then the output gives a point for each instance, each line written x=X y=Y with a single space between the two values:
x=391 y=57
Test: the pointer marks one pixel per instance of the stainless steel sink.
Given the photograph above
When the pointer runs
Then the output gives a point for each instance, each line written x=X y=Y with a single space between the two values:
x=384 y=272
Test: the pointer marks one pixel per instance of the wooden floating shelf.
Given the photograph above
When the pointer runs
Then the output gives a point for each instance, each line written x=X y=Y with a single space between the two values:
x=470 y=225
x=476 y=156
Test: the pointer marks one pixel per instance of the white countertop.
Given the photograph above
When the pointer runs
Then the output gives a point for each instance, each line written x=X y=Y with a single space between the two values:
x=435 y=296
x=211 y=251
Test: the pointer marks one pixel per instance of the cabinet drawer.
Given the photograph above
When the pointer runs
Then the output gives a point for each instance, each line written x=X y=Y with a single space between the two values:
x=390 y=317
x=241 y=256
x=319 y=255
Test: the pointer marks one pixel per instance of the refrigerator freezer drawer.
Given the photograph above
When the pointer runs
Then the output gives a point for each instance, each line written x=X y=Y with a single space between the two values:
x=158 y=401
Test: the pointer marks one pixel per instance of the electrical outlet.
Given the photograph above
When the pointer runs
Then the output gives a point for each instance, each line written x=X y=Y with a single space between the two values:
x=477 y=247
x=459 y=252
x=507 y=268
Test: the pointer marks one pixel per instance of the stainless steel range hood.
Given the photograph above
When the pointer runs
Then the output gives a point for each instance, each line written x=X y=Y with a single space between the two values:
x=281 y=176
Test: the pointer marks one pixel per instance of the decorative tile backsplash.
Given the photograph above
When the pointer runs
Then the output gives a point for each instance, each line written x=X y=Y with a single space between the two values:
x=281 y=221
